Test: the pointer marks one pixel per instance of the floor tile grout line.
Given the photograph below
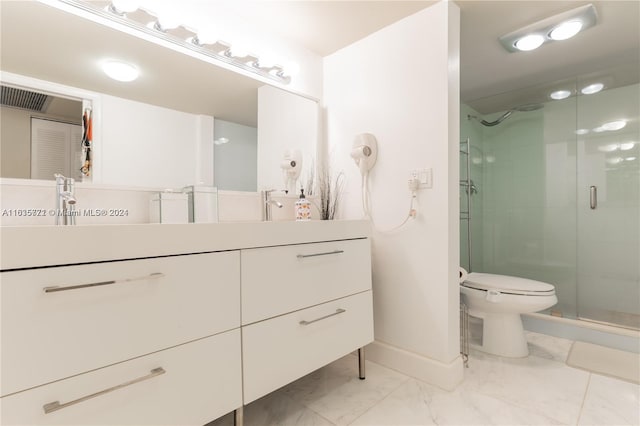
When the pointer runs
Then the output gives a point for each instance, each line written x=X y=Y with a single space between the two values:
x=302 y=404
x=584 y=398
x=518 y=405
x=407 y=378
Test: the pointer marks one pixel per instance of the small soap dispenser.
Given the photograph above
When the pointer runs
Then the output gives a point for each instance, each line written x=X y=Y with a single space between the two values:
x=303 y=208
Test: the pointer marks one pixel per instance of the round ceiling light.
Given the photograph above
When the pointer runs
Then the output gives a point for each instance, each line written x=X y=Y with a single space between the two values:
x=626 y=146
x=614 y=125
x=560 y=94
x=529 y=42
x=592 y=88
x=120 y=71
x=565 y=30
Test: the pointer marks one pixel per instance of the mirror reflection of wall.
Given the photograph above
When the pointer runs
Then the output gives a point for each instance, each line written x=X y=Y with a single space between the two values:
x=235 y=156
x=40 y=135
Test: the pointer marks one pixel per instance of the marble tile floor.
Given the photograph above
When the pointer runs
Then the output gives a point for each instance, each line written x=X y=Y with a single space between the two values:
x=538 y=390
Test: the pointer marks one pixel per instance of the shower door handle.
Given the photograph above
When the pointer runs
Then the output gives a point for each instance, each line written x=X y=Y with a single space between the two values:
x=593 y=197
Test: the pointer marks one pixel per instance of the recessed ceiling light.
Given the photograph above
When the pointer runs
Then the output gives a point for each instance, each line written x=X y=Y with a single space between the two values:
x=582 y=131
x=592 y=88
x=566 y=30
x=626 y=146
x=120 y=71
x=614 y=125
x=614 y=160
x=608 y=148
x=560 y=94
x=529 y=42
x=221 y=141
x=630 y=158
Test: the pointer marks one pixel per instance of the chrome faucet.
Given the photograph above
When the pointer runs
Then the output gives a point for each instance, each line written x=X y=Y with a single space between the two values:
x=65 y=200
x=267 y=202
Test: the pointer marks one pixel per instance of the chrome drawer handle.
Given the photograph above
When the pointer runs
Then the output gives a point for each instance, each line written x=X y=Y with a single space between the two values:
x=337 y=312
x=55 y=405
x=53 y=289
x=302 y=256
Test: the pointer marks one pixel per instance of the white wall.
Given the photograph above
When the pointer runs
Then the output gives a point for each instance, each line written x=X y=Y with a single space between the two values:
x=147 y=145
x=402 y=84
x=286 y=122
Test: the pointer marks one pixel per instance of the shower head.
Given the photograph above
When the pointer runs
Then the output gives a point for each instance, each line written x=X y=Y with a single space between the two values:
x=520 y=108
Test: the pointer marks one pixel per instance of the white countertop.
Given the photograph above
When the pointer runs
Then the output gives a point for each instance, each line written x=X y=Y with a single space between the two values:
x=34 y=246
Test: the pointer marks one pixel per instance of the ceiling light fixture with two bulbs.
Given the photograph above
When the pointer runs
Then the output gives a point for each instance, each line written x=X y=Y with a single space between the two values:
x=562 y=26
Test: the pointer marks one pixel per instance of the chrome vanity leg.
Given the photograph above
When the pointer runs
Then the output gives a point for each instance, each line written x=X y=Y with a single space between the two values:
x=361 y=363
x=238 y=417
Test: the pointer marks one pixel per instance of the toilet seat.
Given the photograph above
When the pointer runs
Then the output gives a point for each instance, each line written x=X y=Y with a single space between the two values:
x=508 y=285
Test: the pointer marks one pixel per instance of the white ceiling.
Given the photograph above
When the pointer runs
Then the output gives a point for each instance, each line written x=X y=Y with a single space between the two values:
x=64 y=49
x=610 y=49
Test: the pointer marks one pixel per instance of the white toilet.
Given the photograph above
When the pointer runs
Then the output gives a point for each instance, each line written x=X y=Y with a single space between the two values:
x=499 y=300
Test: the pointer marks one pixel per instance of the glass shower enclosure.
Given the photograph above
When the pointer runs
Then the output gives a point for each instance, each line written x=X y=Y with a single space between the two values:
x=551 y=192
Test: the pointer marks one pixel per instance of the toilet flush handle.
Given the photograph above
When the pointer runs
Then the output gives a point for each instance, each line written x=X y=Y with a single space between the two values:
x=493 y=296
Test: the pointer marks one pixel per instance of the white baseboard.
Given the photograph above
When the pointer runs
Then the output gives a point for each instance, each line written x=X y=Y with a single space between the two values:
x=445 y=376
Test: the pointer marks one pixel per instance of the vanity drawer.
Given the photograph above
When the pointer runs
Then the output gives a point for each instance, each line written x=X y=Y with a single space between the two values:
x=283 y=349
x=277 y=280
x=152 y=304
x=191 y=384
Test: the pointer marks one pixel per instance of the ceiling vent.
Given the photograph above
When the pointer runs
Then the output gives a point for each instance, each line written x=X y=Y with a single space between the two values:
x=24 y=99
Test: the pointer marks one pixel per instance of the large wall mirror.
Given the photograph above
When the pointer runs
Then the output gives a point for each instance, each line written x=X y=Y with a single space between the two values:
x=158 y=130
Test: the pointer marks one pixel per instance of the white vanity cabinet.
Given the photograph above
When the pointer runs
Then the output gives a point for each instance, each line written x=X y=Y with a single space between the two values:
x=62 y=321
x=303 y=306
x=181 y=325
x=144 y=341
x=190 y=384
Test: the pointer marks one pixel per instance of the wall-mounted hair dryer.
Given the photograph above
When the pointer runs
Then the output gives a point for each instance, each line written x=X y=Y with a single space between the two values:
x=291 y=166
x=365 y=152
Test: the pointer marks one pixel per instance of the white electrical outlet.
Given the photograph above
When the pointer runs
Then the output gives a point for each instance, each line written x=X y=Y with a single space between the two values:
x=424 y=176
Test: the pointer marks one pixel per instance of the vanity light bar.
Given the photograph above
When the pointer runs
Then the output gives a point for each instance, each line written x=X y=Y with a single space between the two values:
x=184 y=37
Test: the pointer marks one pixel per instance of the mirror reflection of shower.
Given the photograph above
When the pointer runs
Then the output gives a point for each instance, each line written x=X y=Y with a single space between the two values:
x=521 y=108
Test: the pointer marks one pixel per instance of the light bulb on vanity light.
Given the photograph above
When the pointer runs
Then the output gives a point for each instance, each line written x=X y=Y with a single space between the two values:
x=205 y=36
x=291 y=69
x=121 y=7
x=165 y=20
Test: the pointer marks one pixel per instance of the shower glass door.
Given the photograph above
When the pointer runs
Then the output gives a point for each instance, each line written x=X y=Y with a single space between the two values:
x=558 y=195
x=608 y=206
